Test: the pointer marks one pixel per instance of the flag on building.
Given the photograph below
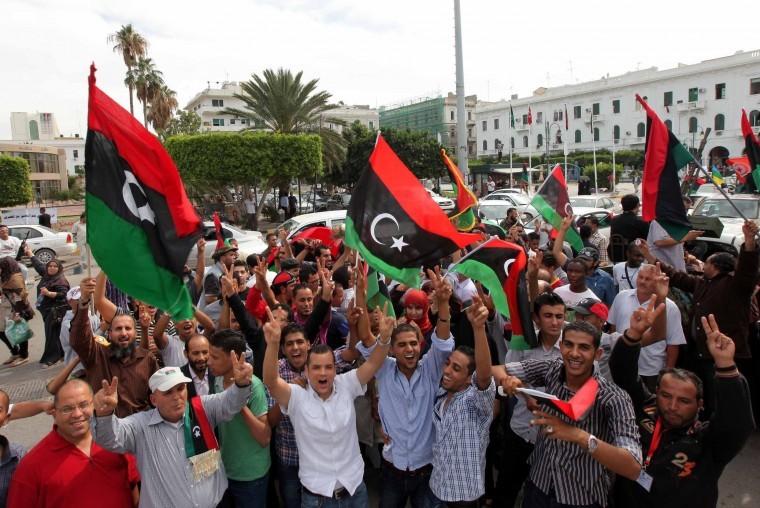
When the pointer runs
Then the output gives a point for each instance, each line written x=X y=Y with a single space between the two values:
x=530 y=117
x=553 y=203
x=464 y=217
x=511 y=117
x=394 y=224
x=500 y=266
x=664 y=155
x=140 y=224
x=717 y=177
x=752 y=149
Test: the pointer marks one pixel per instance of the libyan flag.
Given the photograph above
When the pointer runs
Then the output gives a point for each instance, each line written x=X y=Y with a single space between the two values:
x=752 y=148
x=464 y=219
x=500 y=267
x=660 y=188
x=140 y=223
x=553 y=203
x=393 y=222
x=377 y=293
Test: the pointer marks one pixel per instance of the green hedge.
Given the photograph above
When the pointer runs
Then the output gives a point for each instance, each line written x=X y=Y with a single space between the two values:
x=15 y=185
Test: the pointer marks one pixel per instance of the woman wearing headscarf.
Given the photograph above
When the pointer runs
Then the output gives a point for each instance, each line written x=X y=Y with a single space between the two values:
x=417 y=311
x=52 y=304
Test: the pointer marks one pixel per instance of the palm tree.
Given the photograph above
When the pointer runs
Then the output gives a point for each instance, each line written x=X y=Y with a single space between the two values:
x=163 y=104
x=132 y=46
x=148 y=81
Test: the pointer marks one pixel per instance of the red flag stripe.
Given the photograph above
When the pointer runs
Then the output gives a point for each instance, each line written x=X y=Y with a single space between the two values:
x=658 y=141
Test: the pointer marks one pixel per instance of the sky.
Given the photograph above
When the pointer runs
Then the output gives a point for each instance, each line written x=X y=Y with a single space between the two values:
x=376 y=53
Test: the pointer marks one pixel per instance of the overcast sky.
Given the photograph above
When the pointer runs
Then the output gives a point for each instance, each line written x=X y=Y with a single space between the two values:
x=376 y=53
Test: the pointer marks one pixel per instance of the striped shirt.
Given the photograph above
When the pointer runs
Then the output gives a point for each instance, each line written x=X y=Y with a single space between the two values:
x=565 y=468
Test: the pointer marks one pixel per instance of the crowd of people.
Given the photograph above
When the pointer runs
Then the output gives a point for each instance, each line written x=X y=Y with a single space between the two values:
x=301 y=368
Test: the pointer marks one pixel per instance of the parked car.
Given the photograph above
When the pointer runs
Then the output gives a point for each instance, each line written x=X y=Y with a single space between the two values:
x=499 y=192
x=498 y=203
x=339 y=201
x=732 y=237
x=604 y=216
x=249 y=242
x=313 y=203
x=581 y=204
x=446 y=204
x=300 y=222
x=45 y=243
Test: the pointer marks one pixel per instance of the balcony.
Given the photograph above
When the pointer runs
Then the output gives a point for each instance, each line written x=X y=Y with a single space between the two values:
x=683 y=107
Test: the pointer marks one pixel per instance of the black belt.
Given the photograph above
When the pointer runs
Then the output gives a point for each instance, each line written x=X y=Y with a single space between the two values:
x=339 y=493
x=422 y=471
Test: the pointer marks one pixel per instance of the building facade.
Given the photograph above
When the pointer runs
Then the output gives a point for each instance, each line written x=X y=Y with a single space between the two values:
x=47 y=164
x=604 y=113
x=366 y=116
x=42 y=129
x=436 y=116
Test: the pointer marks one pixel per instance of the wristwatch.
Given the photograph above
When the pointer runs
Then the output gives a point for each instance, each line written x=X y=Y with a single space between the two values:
x=592 y=444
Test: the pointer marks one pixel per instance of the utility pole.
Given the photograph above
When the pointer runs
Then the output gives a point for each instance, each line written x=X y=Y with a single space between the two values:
x=461 y=113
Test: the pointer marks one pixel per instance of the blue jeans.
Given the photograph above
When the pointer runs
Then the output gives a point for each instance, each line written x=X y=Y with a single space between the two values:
x=250 y=494
x=290 y=485
x=358 y=500
x=398 y=487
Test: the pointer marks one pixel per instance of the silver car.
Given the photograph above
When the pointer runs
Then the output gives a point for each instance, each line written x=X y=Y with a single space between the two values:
x=45 y=243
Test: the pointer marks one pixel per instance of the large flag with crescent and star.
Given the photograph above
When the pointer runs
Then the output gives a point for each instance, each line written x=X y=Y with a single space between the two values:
x=464 y=217
x=553 y=203
x=500 y=266
x=752 y=148
x=394 y=223
x=664 y=155
x=140 y=223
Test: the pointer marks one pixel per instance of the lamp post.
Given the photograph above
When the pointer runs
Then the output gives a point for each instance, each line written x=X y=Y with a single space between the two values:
x=548 y=129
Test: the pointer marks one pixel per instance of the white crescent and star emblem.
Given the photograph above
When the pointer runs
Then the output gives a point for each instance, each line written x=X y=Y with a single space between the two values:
x=507 y=264
x=568 y=209
x=197 y=431
x=398 y=242
x=143 y=212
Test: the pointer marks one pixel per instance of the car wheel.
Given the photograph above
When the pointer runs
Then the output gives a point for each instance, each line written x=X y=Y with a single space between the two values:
x=45 y=255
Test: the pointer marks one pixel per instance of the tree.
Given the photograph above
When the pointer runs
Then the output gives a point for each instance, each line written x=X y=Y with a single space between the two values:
x=147 y=80
x=214 y=162
x=184 y=122
x=163 y=103
x=132 y=46
x=15 y=185
x=284 y=104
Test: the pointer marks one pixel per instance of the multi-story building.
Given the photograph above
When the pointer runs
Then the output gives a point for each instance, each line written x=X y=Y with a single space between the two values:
x=42 y=129
x=605 y=114
x=47 y=164
x=363 y=114
x=436 y=116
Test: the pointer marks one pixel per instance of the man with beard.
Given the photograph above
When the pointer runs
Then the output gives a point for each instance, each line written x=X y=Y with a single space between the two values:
x=197 y=352
x=117 y=358
x=684 y=457
x=408 y=386
x=321 y=323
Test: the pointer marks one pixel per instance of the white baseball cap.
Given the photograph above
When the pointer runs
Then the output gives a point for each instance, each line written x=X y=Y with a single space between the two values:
x=167 y=378
x=74 y=293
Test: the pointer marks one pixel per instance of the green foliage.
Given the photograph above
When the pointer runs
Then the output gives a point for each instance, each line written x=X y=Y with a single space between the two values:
x=631 y=158
x=184 y=122
x=418 y=150
x=15 y=185
x=603 y=170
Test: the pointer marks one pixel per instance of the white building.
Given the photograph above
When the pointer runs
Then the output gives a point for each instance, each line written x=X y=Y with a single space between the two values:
x=41 y=129
x=688 y=98
x=363 y=114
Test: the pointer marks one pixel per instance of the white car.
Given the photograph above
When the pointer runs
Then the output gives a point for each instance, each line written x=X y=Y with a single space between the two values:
x=300 y=222
x=604 y=216
x=587 y=204
x=732 y=237
x=45 y=243
x=249 y=242
x=498 y=203
x=496 y=193
x=446 y=204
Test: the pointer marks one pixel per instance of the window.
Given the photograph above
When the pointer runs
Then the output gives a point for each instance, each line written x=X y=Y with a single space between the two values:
x=76 y=154
x=576 y=111
x=24 y=233
x=485 y=125
x=693 y=124
x=754 y=118
x=485 y=145
x=720 y=91
x=539 y=117
x=218 y=122
x=596 y=133
x=34 y=130
x=217 y=103
x=577 y=136
x=496 y=123
x=595 y=108
x=616 y=106
x=561 y=115
x=525 y=119
x=616 y=132
x=556 y=116
x=540 y=140
x=641 y=130
x=371 y=124
x=469 y=133
x=720 y=122
x=232 y=122
x=693 y=94
x=469 y=115
x=667 y=100
x=525 y=141
x=451 y=115
x=754 y=86
x=669 y=125
x=512 y=142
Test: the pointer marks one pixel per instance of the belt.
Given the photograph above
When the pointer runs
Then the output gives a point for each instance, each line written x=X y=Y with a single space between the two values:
x=339 y=493
x=422 y=471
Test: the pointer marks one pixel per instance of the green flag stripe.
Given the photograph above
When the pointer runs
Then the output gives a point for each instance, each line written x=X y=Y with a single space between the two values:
x=680 y=155
x=486 y=276
x=551 y=216
x=676 y=231
x=112 y=240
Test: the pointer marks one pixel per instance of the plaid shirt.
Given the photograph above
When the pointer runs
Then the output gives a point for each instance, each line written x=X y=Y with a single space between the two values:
x=601 y=243
x=461 y=438
x=285 y=438
x=571 y=472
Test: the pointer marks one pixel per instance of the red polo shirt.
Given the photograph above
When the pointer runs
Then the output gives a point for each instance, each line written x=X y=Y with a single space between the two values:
x=55 y=473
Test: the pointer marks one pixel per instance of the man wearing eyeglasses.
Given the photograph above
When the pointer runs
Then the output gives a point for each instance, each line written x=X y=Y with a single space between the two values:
x=68 y=464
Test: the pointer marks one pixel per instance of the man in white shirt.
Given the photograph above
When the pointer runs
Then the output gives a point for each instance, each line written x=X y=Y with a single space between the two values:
x=9 y=245
x=331 y=469
x=576 y=290
x=660 y=354
x=626 y=271
x=667 y=249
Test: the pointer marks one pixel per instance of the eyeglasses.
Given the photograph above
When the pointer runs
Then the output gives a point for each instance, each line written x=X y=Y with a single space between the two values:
x=82 y=406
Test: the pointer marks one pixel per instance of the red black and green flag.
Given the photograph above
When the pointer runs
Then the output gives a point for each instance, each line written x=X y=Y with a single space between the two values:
x=500 y=266
x=464 y=219
x=664 y=155
x=377 y=293
x=394 y=224
x=140 y=223
x=752 y=148
x=553 y=203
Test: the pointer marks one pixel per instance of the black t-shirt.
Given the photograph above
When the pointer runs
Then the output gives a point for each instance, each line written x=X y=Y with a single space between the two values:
x=44 y=219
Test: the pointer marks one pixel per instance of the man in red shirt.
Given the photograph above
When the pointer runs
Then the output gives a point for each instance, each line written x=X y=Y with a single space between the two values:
x=67 y=466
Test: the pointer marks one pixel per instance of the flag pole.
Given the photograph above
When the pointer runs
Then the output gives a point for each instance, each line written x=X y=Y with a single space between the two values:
x=720 y=189
x=564 y=144
x=509 y=140
x=530 y=155
x=473 y=251
x=593 y=149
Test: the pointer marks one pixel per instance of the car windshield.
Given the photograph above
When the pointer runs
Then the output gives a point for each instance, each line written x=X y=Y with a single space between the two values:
x=494 y=211
x=583 y=202
x=720 y=207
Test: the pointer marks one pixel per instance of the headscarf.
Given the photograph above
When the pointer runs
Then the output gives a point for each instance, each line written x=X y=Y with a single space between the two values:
x=50 y=281
x=419 y=298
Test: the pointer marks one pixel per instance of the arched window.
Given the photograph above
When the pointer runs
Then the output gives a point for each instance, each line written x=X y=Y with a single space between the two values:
x=540 y=140
x=616 y=132
x=577 y=136
x=485 y=145
x=596 y=133
x=720 y=122
x=641 y=129
x=669 y=125
x=512 y=142
x=754 y=118
x=34 y=130
x=525 y=141
x=693 y=124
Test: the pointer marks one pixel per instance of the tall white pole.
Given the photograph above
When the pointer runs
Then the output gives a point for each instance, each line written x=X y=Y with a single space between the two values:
x=530 y=155
x=509 y=140
x=593 y=149
x=613 y=161
x=461 y=113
